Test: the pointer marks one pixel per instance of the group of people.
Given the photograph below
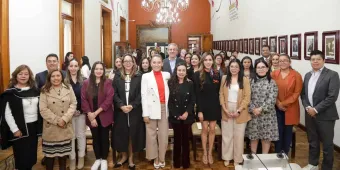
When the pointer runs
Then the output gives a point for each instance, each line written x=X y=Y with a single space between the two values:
x=138 y=102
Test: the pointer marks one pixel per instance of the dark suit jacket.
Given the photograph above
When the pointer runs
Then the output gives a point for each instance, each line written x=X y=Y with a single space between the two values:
x=166 y=64
x=40 y=78
x=325 y=94
x=181 y=101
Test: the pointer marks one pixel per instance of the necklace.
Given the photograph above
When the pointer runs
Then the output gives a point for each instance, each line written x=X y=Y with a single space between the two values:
x=57 y=91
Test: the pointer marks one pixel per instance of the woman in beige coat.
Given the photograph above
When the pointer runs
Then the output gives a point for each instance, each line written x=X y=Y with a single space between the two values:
x=234 y=99
x=57 y=105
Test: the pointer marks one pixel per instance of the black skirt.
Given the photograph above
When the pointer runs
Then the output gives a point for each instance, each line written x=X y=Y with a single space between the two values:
x=25 y=149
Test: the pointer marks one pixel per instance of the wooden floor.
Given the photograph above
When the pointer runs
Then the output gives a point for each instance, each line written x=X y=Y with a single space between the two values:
x=301 y=158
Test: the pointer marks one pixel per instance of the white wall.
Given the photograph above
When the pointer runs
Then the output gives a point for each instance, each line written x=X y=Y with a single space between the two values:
x=33 y=32
x=265 y=18
x=92 y=19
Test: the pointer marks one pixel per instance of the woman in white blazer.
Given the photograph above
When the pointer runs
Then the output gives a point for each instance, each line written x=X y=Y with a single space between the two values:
x=155 y=95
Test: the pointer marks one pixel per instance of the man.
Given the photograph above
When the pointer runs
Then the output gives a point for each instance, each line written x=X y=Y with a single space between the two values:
x=170 y=63
x=235 y=54
x=265 y=54
x=52 y=63
x=158 y=49
x=319 y=94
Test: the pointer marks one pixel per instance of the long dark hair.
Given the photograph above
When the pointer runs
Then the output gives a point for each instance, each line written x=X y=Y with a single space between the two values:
x=86 y=61
x=222 y=66
x=251 y=68
x=173 y=82
x=140 y=65
x=202 y=69
x=92 y=81
x=67 y=61
x=239 y=76
x=268 y=72
x=47 y=87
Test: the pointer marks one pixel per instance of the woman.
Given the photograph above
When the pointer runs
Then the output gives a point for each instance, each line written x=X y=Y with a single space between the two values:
x=195 y=65
x=263 y=125
x=57 y=106
x=144 y=66
x=75 y=79
x=21 y=123
x=152 y=52
x=274 y=62
x=207 y=86
x=247 y=67
x=68 y=58
x=85 y=67
x=155 y=95
x=96 y=102
x=130 y=134
x=181 y=115
x=219 y=64
x=234 y=99
x=117 y=66
x=188 y=59
x=290 y=84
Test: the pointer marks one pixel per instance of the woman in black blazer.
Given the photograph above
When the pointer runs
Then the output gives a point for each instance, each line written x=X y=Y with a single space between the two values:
x=129 y=128
x=181 y=113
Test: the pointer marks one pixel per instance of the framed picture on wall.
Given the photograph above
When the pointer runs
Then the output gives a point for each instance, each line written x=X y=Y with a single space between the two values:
x=273 y=44
x=229 y=44
x=240 y=45
x=330 y=46
x=232 y=45
x=295 y=46
x=236 y=45
x=245 y=46
x=251 y=45
x=310 y=43
x=283 y=44
x=257 y=46
x=224 y=45
x=264 y=41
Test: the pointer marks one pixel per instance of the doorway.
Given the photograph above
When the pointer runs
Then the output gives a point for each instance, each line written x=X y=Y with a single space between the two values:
x=4 y=46
x=106 y=37
x=122 y=29
x=71 y=28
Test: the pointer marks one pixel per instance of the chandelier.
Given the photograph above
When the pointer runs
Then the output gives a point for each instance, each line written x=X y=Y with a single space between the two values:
x=167 y=9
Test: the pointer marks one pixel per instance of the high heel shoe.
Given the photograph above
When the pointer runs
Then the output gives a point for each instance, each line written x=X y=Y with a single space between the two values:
x=205 y=159
x=118 y=164
x=211 y=160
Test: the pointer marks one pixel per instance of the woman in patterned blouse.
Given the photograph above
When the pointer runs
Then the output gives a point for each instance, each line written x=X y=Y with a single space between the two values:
x=263 y=125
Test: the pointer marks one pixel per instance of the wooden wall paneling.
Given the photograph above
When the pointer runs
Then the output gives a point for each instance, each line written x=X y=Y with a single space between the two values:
x=78 y=25
x=207 y=40
x=122 y=29
x=107 y=36
x=4 y=46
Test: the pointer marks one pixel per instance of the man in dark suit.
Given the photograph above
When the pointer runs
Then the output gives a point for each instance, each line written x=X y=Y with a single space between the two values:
x=265 y=55
x=52 y=63
x=170 y=63
x=319 y=94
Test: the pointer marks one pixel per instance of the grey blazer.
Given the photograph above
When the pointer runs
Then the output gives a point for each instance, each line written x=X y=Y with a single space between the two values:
x=325 y=94
x=166 y=64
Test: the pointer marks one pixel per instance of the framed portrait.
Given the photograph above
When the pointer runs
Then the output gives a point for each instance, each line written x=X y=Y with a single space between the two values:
x=257 y=46
x=240 y=45
x=232 y=45
x=295 y=46
x=330 y=46
x=264 y=41
x=214 y=45
x=225 y=45
x=251 y=45
x=273 y=44
x=229 y=44
x=120 y=48
x=283 y=44
x=310 y=43
x=245 y=46
x=236 y=45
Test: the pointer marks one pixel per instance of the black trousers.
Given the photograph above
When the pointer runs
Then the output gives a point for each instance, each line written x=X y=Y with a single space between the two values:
x=181 y=145
x=320 y=131
x=25 y=149
x=101 y=143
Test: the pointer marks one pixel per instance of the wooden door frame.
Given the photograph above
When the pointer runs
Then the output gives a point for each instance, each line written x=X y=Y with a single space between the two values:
x=74 y=18
x=4 y=54
x=124 y=38
x=106 y=34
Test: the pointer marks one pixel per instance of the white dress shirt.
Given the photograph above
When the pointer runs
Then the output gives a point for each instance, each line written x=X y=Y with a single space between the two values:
x=311 y=85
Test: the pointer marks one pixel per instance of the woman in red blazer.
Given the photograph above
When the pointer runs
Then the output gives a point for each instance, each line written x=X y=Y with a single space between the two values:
x=96 y=102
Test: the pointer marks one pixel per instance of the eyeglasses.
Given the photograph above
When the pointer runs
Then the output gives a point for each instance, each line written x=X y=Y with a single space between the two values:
x=128 y=62
x=261 y=68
